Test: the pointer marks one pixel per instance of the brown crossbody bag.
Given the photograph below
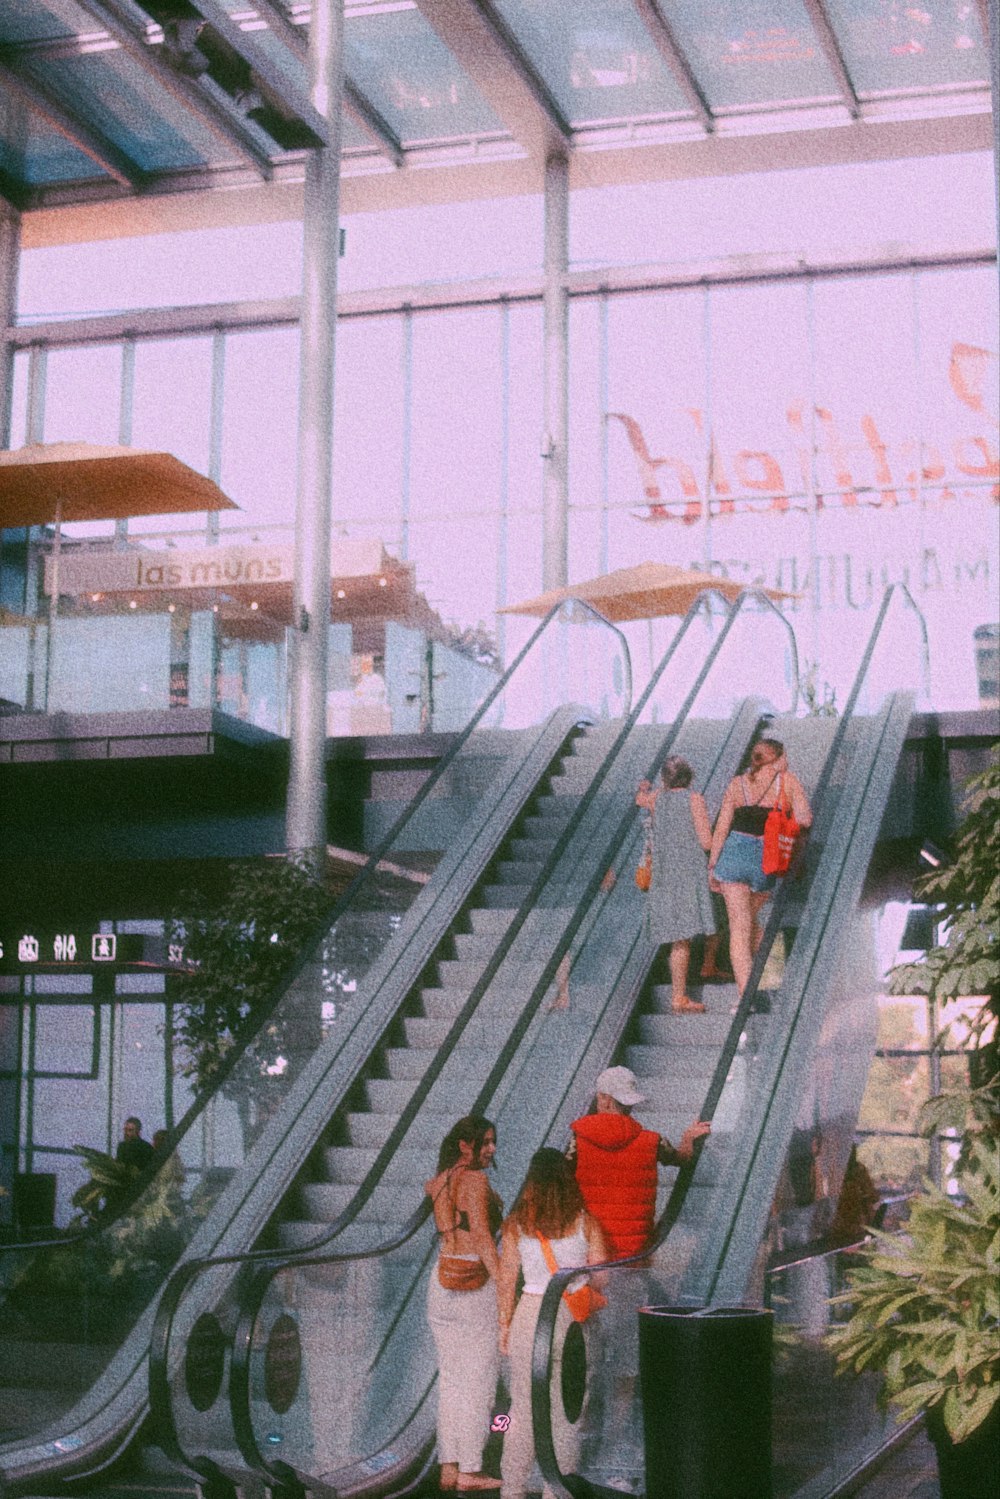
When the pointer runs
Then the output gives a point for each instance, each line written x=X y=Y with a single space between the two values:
x=456 y=1274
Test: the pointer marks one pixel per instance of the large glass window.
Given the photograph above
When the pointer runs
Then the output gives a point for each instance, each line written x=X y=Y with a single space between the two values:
x=172 y=412
x=260 y=426
x=823 y=435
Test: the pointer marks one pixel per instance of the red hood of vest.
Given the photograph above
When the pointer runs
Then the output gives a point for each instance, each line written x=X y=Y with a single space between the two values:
x=609 y=1132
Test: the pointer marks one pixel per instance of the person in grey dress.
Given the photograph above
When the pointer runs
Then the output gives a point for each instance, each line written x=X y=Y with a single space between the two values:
x=679 y=901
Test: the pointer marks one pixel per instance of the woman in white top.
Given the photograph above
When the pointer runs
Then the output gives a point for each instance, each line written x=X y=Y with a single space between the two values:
x=549 y=1205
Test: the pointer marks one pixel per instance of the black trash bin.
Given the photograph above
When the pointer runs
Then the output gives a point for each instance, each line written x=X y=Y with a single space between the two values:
x=705 y=1375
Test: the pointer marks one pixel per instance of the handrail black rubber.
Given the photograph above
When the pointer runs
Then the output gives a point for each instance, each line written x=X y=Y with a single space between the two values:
x=342 y=903
x=183 y=1277
x=274 y=1264
x=542 y=1348
x=333 y=912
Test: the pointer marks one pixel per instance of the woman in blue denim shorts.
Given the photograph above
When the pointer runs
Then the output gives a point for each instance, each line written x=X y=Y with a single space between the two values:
x=735 y=860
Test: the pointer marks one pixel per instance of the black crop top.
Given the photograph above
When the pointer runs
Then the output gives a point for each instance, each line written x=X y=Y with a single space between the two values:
x=750 y=820
x=751 y=817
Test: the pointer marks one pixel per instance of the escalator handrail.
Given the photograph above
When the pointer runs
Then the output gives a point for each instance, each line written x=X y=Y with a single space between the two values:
x=542 y=1347
x=333 y=913
x=273 y=1263
x=187 y=1272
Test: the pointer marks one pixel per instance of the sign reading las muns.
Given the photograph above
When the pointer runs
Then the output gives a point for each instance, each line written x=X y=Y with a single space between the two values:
x=207 y=567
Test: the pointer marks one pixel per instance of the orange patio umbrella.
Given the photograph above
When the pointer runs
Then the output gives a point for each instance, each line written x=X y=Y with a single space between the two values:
x=53 y=482
x=49 y=483
x=647 y=591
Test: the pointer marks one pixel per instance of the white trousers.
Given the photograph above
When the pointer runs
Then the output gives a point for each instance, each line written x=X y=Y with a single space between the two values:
x=519 y=1443
x=464 y=1324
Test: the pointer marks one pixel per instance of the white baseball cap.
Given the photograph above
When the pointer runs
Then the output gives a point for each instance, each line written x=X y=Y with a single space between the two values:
x=619 y=1083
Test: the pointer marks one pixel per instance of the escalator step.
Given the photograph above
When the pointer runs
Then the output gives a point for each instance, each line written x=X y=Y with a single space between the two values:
x=531 y=850
x=444 y=1003
x=350 y=1164
x=424 y=1033
x=677 y=1030
x=429 y=1128
x=505 y=897
x=692 y=1060
x=475 y=947
x=407 y=1061
x=513 y=872
x=457 y=975
x=491 y=923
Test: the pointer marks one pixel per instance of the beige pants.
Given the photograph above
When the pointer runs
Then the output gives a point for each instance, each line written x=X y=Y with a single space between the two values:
x=464 y=1324
x=519 y=1443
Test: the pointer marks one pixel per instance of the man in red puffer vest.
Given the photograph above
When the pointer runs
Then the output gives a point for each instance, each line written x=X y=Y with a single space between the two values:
x=616 y=1161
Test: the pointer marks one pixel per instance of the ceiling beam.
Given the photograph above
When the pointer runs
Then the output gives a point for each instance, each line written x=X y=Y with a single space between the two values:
x=662 y=36
x=85 y=137
x=268 y=76
x=830 y=45
x=491 y=59
x=206 y=101
x=357 y=106
x=280 y=23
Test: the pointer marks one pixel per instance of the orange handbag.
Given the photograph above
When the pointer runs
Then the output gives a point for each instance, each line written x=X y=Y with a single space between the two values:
x=585 y=1299
x=780 y=832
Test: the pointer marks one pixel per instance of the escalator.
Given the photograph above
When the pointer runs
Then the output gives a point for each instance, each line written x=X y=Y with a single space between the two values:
x=751 y=1072
x=76 y=1311
x=331 y=1378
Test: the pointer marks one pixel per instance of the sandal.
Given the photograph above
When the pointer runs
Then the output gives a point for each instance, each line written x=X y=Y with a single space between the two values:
x=467 y=1482
x=687 y=1006
x=448 y=1477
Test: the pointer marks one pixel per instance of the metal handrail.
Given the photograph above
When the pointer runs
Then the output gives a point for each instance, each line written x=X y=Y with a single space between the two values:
x=542 y=1347
x=253 y=1300
x=81 y=1454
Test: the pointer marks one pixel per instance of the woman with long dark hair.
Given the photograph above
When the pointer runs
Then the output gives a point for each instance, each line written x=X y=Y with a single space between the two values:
x=735 y=861
x=461 y=1300
x=548 y=1226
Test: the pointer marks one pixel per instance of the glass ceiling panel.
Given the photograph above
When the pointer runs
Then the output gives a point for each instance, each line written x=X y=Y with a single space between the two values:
x=596 y=57
x=889 y=44
x=354 y=139
x=110 y=91
x=42 y=20
x=401 y=65
x=751 y=52
x=34 y=155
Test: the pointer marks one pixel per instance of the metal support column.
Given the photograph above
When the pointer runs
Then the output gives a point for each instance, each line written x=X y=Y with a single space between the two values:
x=555 y=450
x=10 y=253
x=989 y=15
x=126 y=418
x=306 y=811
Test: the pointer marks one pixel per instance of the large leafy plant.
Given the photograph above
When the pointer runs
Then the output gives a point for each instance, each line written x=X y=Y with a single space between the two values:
x=966 y=889
x=925 y=1305
x=238 y=948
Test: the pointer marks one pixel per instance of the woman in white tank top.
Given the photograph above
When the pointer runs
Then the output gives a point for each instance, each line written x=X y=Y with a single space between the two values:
x=549 y=1204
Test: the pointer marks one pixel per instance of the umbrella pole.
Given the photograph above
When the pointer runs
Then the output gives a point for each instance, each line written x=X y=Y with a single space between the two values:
x=53 y=598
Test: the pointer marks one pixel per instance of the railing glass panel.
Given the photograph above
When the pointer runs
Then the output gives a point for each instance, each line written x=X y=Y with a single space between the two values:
x=708 y=1241
x=825 y=1424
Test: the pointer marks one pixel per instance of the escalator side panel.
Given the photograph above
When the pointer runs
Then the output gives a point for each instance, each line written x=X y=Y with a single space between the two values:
x=117 y=1399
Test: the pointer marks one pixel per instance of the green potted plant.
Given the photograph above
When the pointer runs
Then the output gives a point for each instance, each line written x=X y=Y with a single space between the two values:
x=925 y=1308
x=925 y=1304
